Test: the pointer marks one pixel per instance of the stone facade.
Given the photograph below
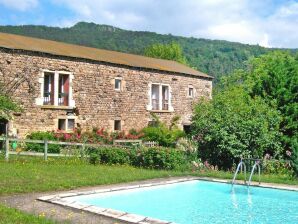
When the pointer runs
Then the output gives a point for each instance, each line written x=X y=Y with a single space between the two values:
x=94 y=102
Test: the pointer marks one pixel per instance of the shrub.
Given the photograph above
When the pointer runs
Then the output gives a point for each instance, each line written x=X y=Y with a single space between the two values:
x=165 y=136
x=153 y=158
x=235 y=125
x=96 y=136
x=163 y=158
x=277 y=167
x=188 y=146
x=272 y=166
x=94 y=158
x=39 y=135
x=113 y=155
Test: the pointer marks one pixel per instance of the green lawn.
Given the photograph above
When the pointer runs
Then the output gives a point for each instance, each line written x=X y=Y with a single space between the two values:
x=28 y=174
x=34 y=175
x=13 y=216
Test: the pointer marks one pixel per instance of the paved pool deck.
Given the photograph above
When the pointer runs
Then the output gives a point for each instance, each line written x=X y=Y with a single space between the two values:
x=51 y=204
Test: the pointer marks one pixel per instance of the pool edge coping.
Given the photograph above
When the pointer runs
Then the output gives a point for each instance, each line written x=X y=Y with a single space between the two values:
x=59 y=199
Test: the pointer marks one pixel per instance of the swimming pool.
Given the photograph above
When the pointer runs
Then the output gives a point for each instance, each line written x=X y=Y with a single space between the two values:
x=200 y=201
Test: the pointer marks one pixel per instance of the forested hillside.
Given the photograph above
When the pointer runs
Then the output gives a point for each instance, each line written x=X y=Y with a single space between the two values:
x=214 y=57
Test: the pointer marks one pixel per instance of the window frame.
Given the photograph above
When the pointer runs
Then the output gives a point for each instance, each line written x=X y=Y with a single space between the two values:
x=193 y=92
x=120 y=84
x=49 y=85
x=66 y=123
x=120 y=124
x=68 y=96
x=160 y=97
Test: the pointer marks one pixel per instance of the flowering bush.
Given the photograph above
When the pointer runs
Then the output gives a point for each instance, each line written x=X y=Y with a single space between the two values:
x=273 y=166
x=96 y=136
x=198 y=165
x=187 y=145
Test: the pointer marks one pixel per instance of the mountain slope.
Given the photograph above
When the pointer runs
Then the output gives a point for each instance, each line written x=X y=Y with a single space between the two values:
x=214 y=57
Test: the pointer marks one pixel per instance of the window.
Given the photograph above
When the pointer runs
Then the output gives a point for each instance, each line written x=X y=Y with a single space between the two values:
x=155 y=97
x=165 y=98
x=190 y=92
x=117 y=125
x=56 y=89
x=48 y=88
x=62 y=124
x=63 y=90
x=117 y=84
x=66 y=124
x=71 y=124
x=152 y=123
x=160 y=97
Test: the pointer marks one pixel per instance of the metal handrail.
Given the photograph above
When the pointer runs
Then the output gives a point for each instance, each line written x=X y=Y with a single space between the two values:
x=252 y=172
x=240 y=165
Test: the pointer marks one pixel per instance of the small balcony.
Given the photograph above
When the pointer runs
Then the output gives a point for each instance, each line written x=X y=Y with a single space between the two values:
x=155 y=104
x=63 y=99
x=48 y=98
x=165 y=104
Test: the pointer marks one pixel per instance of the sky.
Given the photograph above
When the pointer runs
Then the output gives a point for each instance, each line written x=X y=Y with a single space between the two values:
x=269 y=23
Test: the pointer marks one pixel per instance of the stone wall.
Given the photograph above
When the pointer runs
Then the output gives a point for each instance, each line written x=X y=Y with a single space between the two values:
x=97 y=103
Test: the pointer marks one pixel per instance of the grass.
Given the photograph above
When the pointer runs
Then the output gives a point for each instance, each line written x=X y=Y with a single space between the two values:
x=32 y=174
x=28 y=174
x=13 y=216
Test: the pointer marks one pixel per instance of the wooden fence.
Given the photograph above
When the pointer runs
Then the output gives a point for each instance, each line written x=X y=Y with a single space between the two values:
x=45 y=154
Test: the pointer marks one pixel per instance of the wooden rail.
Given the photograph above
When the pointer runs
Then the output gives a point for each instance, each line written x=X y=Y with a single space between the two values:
x=119 y=143
x=46 y=144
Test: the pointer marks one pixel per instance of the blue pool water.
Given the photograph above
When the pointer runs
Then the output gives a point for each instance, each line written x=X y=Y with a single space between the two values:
x=203 y=202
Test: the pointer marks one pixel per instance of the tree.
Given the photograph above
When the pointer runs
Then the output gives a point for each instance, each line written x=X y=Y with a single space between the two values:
x=7 y=106
x=172 y=51
x=235 y=125
x=274 y=78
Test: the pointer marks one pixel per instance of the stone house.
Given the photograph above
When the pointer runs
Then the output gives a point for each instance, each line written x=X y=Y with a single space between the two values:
x=63 y=86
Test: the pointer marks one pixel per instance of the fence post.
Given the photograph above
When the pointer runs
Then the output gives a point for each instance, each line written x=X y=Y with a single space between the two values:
x=45 y=150
x=83 y=150
x=6 y=148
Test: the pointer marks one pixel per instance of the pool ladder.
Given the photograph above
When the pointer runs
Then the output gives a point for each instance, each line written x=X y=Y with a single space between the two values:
x=253 y=170
x=241 y=166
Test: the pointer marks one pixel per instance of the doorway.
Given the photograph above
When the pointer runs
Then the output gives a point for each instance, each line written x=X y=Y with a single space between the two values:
x=3 y=130
x=187 y=129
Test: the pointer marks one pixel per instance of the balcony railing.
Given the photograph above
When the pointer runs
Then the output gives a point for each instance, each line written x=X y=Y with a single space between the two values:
x=47 y=98
x=165 y=104
x=63 y=99
x=155 y=104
